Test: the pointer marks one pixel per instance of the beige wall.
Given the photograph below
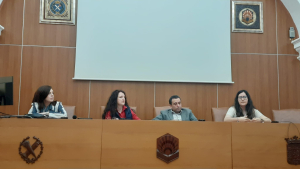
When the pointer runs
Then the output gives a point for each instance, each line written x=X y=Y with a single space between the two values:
x=38 y=54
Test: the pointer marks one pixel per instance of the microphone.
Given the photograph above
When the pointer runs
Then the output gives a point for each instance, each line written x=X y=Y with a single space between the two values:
x=75 y=117
x=4 y=115
x=35 y=115
x=17 y=116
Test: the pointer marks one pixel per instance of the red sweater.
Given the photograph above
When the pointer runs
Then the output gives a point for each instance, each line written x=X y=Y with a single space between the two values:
x=122 y=114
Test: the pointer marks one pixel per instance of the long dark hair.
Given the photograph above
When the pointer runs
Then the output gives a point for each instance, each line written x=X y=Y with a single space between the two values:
x=112 y=103
x=40 y=95
x=249 y=107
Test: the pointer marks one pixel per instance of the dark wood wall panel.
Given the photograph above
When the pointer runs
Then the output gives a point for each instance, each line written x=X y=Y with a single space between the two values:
x=54 y=67
x=254 y=42
x=11 y=18
x=45 y=34
x=289 y=82
x=10 y=59
x=200 y=98
x=139 y=94
x=284 y=22
x=258 y=75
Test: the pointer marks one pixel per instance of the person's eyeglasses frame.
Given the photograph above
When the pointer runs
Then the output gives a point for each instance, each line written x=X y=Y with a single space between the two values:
x=242 y=97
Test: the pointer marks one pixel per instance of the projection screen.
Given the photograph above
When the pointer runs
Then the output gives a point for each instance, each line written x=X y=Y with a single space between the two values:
x=153 y=40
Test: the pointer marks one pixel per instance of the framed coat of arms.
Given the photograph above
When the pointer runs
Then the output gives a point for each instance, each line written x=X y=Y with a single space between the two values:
x=247 y=16
x=58 y=11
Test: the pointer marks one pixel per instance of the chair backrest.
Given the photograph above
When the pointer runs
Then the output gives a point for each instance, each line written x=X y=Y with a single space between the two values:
x=218 y=114
x=287 y=115
x=70 y=111
x=157 y=110
x=132 y=108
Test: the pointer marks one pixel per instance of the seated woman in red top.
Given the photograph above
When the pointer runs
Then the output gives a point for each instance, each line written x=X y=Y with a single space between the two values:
x=117 y=107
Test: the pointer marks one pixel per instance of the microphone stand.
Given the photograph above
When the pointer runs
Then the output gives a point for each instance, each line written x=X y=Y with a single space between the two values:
x=18 y=116
x=4 y=115
x=30 y=116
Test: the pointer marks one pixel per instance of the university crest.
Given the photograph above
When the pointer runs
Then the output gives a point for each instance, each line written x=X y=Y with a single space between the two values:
x=58 y=8
x=27 y=151
x=57 y=11
x=247 y=16
x=167 y=148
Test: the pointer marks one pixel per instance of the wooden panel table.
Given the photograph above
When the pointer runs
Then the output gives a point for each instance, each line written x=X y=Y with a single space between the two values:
x=261 y=146
x=132 y=144
x=68 y=144
x=94 y=144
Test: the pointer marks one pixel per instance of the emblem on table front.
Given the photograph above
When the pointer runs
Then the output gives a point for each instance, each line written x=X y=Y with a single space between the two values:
x=167 y=148
x=27 y=151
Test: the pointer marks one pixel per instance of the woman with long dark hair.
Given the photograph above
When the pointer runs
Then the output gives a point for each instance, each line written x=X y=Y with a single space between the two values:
x=244 y=111
x=43 y=103
x=117 y=107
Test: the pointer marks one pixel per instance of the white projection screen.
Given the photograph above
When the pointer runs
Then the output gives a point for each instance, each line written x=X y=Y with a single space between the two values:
x=154 y=40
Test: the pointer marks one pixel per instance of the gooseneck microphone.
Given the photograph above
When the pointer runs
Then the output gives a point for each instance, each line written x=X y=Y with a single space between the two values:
x=75 y=117
x=4 y=115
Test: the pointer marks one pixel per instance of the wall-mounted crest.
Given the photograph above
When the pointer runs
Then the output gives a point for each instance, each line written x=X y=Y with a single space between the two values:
x=58 y=11
x=29 y=150
x=247 y=16
x=167 y=148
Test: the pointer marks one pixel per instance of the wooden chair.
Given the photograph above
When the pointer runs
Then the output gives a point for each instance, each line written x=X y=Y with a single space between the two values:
x=157 y=110
x=287 y=115
x=70 y=111
x=218 y=114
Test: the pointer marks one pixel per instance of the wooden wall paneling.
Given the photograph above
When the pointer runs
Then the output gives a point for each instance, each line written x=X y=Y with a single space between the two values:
x=289 y=82
x=64 y=35
x=67 y=143
x=199 y=97
x=45 y=34
x=258 y=75
x=11 y=18
x=1 y=3
x=10 y=60
x=139 y=94
x=257 y=42
x=54 y=67
x=284 y=22
x=261 y=146
x=199 y=144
